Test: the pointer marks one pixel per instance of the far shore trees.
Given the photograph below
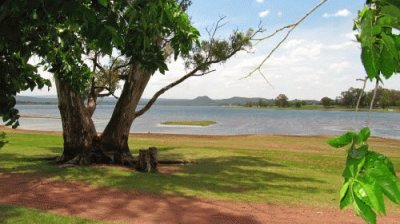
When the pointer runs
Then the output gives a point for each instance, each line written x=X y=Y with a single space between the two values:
x=281 y=100
x=327 y=102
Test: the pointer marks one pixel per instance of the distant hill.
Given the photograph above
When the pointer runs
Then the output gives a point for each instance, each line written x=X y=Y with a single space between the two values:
x=36 y=100
x=198 y=101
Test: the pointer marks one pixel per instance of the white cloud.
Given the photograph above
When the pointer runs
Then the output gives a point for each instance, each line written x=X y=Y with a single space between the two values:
x=302 y=49
x=339 y=13
x=342 y=46
x=280 y=14
x=264 y=13
x=260 y=1
x=339 y=67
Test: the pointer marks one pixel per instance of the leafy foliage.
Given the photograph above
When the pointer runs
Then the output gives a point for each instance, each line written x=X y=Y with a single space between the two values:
x=327 y=102
x=281 y=100
x=368 y=176
x=59 y=32
x=214 y=50
x=380 y=43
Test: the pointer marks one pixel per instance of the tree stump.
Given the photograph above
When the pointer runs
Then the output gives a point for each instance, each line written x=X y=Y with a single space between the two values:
x=147 y=160
x=153 y=158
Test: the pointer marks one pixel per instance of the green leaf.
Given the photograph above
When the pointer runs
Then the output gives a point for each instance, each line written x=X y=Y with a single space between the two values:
x=364 y=134
x=103 y=2
x=374 y=194
x=364 y=210
x=388 y=21
x=346 y=200
x=370 y=61
x=391 y=11
x=390 y=188
x=344 y=189
x=380 y=168
x=342 y=140
x=353 y=167
x=395 y=3
x=389 y=56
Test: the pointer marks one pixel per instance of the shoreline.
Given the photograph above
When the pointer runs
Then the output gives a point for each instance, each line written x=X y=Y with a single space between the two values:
x=154 y=134
x=365 y=110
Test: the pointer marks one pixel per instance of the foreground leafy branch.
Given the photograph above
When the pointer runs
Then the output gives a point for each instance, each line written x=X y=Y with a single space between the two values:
x=368 y=176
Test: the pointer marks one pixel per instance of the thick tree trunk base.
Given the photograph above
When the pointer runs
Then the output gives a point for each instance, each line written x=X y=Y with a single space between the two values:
x=98 y=157
x=146 y=161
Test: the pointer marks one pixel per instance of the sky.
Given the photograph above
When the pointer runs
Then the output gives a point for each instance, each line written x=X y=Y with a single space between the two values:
x=320 y=58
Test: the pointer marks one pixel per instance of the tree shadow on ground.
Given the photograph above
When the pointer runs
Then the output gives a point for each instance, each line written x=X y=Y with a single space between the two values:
x=223 y=177
x=108 y=204
x=220 y=176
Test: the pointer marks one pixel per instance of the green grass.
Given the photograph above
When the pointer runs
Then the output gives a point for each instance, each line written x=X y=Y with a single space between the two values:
x=265 y=169
x=20 y=215
x=201 y=123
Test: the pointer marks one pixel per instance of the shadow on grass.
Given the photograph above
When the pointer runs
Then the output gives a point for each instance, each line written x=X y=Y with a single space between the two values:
x=21 y=215
x=230 y=177
x=107 y=204
x=222 y=177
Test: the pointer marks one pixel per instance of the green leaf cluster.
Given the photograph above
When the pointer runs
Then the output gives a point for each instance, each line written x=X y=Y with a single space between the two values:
x=378 y=25
x=368 y=176
x=216 y=50
x=61 y=33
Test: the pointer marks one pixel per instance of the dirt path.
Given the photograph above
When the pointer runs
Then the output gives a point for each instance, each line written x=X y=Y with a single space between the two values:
x=107 y=204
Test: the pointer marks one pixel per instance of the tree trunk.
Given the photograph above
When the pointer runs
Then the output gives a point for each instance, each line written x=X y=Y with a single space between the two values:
x=114 y=140
x=79 y=132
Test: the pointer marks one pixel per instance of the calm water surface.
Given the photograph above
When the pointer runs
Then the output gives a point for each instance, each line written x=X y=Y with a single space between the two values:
x=229 y=120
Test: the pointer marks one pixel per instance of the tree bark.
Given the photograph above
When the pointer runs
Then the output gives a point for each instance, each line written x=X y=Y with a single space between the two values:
x=79 y=132
x=114 y=140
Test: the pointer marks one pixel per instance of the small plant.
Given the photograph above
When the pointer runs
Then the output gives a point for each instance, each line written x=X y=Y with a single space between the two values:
x=368 y=176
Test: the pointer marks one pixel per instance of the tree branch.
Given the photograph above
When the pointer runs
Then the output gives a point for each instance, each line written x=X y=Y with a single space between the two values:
x=362 y=92
x=202 y=68
x=102 y=88
x=99 y=66
x=291 y=27
x=163 y=90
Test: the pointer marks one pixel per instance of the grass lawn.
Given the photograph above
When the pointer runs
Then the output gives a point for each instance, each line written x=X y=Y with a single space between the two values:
x=202 y=123
x=13 y=214
x=264 y=169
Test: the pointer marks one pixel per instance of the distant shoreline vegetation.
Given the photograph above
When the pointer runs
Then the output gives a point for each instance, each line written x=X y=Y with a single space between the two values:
x=387 y=100
x=318 y=107
x=202 y=123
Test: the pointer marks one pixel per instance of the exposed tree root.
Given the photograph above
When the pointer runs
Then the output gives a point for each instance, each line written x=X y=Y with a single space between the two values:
x=98 y=157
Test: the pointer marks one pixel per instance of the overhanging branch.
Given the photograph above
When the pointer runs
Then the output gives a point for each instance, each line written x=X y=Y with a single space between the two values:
x=291 y=27
x=168 y=87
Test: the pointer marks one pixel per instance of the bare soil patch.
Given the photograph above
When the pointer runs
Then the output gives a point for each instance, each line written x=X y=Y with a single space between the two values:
x=106 y=204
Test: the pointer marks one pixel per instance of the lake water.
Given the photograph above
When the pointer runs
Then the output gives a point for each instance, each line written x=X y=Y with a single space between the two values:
x=229 y=120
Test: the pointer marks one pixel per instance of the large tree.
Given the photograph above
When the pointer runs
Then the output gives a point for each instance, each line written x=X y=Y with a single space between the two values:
x=144 y=34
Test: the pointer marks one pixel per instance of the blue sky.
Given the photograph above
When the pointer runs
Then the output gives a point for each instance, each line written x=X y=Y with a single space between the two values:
x=320 y=59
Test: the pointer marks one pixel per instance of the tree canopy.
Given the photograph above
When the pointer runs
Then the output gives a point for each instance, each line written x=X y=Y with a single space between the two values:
x=60 y=32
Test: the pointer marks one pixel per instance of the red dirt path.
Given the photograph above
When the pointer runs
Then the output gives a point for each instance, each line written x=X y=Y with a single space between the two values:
x=105 y=204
